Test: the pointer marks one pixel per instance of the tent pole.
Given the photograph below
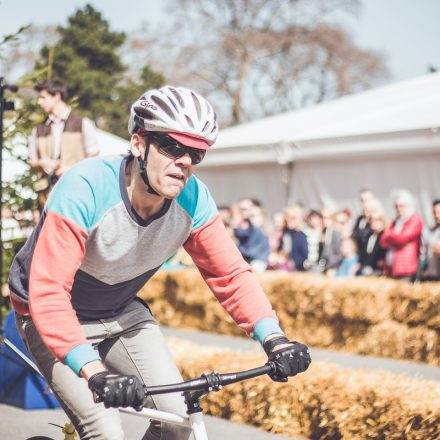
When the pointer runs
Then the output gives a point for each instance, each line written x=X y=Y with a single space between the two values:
x=288 y=173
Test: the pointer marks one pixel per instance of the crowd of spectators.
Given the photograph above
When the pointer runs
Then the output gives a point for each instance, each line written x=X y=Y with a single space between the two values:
x=337 y=244
x=320 y=241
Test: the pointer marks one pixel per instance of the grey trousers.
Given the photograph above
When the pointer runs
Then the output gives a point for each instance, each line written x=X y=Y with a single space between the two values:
x=130 y=343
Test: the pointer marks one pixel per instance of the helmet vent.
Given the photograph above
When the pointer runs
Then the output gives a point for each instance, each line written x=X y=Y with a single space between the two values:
x=172 y=102
x=144 y=114
x=190 y=123
x=197 y=104
x=205 y=126
x=163 y=106
x=178 y=97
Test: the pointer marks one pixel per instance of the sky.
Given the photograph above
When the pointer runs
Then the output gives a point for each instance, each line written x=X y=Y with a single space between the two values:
x=406 y=32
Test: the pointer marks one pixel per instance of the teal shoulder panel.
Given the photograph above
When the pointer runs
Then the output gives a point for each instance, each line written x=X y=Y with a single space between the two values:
x=86 y=191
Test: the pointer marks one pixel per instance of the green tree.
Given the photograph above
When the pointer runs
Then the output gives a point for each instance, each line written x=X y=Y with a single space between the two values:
x=86 y=58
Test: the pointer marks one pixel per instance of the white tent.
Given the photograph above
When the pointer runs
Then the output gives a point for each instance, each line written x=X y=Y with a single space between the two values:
x=383 y=139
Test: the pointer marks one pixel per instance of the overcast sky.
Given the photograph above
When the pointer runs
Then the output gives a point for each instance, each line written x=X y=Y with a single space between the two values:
x=407 y=32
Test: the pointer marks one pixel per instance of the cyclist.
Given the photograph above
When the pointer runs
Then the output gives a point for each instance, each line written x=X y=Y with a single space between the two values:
x=107 y=227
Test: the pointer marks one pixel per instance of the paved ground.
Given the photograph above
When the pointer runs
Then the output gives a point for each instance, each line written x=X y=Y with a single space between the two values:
x=19 y=424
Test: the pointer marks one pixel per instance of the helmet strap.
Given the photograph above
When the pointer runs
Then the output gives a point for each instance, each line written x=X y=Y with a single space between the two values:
x=143 y=168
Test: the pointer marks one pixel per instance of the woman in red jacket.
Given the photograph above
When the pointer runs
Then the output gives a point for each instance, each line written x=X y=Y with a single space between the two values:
x=402 y=239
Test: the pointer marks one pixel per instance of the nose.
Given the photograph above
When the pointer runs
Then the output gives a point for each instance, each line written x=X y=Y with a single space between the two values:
x=184 y=160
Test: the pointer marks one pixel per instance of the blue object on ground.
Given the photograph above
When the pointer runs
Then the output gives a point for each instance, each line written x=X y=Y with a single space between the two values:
x=20 y=385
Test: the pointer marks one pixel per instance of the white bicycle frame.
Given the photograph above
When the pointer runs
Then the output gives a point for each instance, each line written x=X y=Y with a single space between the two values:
x=194 y=421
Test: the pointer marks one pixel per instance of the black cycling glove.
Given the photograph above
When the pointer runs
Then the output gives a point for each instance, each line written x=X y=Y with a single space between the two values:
x=116 y=391
x=288 y=361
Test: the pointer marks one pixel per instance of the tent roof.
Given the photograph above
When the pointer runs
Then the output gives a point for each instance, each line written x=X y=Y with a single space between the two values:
x=403 y=106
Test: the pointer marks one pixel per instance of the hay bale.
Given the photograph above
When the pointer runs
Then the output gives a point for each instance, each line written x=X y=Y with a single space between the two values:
x=326 y=402
x=376 y=316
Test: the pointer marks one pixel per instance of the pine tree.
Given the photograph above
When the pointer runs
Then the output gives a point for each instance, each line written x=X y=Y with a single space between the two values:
x=86 y=58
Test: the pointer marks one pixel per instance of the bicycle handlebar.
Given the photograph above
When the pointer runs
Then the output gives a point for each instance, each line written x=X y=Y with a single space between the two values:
x=211 y=381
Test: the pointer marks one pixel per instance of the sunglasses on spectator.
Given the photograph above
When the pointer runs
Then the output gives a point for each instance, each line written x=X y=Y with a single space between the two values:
x=171 y=148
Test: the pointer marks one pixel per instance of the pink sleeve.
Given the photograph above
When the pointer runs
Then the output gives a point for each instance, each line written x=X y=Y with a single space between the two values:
x=57 y=256
x=229 y=277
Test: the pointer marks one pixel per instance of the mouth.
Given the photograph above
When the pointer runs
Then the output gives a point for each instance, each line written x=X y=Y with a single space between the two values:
x=177 y=177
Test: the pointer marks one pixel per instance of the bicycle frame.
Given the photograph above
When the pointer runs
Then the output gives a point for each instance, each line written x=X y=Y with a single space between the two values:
x=193 y=421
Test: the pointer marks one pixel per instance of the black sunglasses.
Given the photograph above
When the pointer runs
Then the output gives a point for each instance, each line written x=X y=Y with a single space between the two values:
x=171 y=148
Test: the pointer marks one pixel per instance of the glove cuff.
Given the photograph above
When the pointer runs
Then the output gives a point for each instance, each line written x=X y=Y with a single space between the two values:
x=96 y=376
x=271 y=343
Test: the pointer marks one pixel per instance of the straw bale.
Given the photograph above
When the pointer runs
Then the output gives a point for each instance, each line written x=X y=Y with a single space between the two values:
x=326 y=402
x=397 y=340
x=376 y=316
x=416 y=304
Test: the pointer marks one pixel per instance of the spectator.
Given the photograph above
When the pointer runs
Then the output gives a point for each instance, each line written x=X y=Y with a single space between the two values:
x=431 y=246
x=226 y=216
x=294 y=241
x=179 y=260
x=329 y=249
x=372 y=256
x=349 y=264
x=63 y=139
x=342 y=222
x=361 y=229
x=402 y=239
x=277 y=258
x=313 y=231
x=252 y=239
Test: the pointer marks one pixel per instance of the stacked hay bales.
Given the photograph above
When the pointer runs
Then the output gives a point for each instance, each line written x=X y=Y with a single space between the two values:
x=374 y=316
x=326 y=402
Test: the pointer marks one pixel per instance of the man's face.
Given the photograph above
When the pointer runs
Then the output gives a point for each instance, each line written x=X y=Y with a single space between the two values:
x=168 y=175
x=294 y=218
x=47 y=101
x=315 y=222
x=436 y=213
x=402 y=207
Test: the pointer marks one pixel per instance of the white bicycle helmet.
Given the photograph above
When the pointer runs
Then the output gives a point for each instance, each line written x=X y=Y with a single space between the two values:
x=177 y=111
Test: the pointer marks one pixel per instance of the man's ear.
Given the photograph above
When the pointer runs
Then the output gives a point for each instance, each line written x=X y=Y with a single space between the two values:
x=137 y=145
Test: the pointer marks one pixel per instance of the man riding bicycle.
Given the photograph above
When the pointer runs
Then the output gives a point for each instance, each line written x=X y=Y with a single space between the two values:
x=108 y=226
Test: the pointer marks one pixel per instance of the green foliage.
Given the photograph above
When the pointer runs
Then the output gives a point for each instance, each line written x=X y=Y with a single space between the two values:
x=17 y=194
x=86 y=58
